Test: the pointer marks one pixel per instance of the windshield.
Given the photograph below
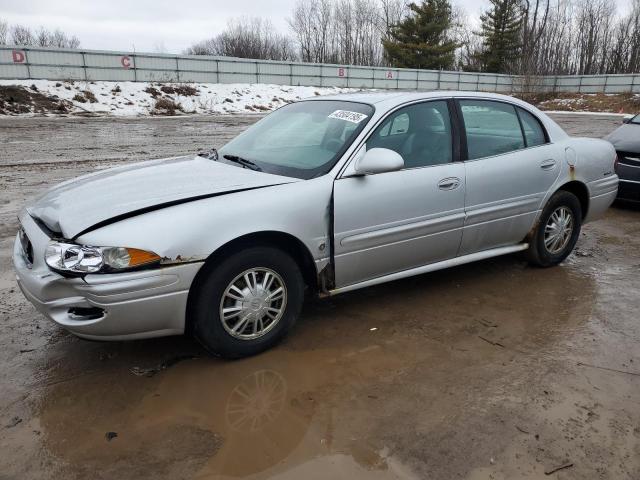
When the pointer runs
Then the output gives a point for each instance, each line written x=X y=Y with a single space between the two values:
x=302 y=140
x=635 y=119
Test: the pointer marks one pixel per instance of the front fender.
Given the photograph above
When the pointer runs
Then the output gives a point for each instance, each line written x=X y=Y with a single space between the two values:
x=192 y=231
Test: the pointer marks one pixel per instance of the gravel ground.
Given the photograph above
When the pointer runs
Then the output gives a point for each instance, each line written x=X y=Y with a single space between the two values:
x=493 y=370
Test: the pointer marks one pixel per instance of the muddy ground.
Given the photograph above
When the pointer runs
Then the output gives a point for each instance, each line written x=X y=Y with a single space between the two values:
x=493 y=370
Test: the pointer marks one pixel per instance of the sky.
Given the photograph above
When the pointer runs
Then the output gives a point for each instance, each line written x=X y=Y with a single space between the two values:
x=155 y=25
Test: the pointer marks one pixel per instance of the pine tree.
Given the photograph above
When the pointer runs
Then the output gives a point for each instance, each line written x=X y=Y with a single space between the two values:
x=423 y=40
x=502 y=36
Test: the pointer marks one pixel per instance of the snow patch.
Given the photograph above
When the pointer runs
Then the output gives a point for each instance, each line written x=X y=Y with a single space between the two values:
x=140 y=98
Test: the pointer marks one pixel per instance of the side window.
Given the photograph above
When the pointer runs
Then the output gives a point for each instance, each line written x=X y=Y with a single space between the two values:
x=400 y=124
x=420 y=133
x=396 y=125
x=533 y=132
x=492 y=128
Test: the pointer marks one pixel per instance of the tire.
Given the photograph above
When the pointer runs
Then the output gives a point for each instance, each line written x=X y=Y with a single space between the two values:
x=544 y=252
x=225 y=286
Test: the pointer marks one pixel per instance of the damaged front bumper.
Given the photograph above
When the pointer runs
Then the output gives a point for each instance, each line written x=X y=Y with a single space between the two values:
x=140 y=304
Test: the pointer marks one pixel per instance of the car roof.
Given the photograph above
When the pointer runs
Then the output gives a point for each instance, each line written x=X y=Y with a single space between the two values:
x=383 y=101
x=399 y=96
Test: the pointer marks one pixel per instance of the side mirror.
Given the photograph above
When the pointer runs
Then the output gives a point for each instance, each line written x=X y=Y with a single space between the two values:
x=627 y=119
x=379 y=160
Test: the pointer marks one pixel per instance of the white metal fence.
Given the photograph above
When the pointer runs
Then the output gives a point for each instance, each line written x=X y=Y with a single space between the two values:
x=63 y=64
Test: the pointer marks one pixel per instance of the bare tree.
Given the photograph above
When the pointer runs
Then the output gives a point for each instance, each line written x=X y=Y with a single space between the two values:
x=534 y=24
x=344 y=25
x=555 y=54
x=4 y=30
x=312 y=23
x=22 y=35
x=624 y=53
x=247 y=37
x=391 y=12
x=60 y=39
x=471 y=45
x=343 y=31
x=302 y=24
x=594 y=24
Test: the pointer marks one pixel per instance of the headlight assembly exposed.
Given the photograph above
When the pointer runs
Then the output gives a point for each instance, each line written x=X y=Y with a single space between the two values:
x=79 y=259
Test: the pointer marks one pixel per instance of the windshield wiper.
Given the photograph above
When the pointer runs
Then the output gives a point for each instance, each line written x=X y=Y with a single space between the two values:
x=243 y=161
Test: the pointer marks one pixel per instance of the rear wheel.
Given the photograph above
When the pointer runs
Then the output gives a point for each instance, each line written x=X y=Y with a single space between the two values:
x=557 y=232
x=248 y=302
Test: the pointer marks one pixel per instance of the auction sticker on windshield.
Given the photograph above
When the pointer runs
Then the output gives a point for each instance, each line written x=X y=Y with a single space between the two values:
x=353 y=117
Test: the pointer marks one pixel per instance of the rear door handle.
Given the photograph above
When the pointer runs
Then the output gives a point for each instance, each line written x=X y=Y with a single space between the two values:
x=548 y=164
x=450 y=183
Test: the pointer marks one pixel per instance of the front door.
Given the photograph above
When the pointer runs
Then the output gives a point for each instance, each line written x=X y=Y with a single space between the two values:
x=394 y=221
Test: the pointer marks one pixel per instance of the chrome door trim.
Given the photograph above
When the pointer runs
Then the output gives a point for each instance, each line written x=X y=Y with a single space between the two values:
x=504 y=208
x=430 y=225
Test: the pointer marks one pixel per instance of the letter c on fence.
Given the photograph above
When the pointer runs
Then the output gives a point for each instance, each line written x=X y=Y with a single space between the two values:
x=18 y=56
x=126 y=61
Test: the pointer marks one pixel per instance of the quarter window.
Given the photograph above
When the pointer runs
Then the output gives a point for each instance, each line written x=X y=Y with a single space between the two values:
x=492 y=128
x=420 y=133
x=533 y=132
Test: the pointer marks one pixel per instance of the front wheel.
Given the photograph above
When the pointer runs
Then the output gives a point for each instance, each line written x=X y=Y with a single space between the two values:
x=248 y=302
x=557 y=232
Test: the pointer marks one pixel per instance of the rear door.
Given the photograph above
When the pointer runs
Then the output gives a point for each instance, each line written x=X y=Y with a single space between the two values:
x=394 y=221
x=509 y=169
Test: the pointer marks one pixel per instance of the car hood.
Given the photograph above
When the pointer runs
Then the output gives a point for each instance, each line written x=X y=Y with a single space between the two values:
x=90 y=201
x=626 y=138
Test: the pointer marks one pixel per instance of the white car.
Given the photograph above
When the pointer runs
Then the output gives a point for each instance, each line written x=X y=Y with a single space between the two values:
x=329 y=195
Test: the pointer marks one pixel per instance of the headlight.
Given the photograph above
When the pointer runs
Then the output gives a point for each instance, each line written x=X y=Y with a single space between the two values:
x=69 y=257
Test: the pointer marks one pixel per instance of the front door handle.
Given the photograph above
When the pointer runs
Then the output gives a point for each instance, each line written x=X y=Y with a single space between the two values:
x=450 y=183
x=548 y=164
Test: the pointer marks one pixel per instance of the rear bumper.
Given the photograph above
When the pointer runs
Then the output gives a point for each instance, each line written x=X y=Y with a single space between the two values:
x=602 y=193
x=628 y=169
x=629 y=190
x=143 y=304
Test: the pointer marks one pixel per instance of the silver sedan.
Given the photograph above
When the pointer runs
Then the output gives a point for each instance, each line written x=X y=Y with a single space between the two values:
x=322 y=196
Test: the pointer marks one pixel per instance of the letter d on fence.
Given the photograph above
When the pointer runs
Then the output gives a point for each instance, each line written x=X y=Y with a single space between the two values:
x=18 y=56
